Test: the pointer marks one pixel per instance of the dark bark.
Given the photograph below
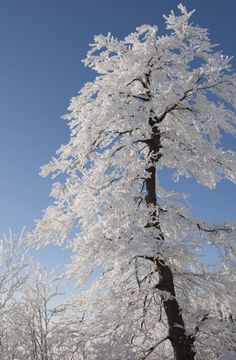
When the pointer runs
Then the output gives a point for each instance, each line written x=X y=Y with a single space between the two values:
x=183 y=345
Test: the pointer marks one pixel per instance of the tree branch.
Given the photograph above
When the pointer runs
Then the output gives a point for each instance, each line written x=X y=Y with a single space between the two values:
x=152 y=348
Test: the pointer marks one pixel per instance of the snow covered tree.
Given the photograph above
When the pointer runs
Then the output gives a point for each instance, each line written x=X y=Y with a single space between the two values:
x=157 y=101
x=32 y=328
x=13 y=267
x=40 y=314
x=14 y=253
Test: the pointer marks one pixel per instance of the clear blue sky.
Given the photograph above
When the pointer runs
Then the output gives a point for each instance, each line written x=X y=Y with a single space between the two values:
x=42 y=43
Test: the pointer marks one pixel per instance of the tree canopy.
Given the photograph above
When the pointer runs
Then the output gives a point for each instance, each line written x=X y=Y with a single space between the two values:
x=158 y=101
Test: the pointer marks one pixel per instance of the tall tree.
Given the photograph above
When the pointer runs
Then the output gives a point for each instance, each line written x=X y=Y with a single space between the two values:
x=157 y=101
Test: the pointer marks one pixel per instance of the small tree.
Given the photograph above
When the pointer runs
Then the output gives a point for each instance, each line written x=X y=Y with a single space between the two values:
x=40 y=314
x=13 y=267
x=158 y=101
x=30 y=330
x=14 y=254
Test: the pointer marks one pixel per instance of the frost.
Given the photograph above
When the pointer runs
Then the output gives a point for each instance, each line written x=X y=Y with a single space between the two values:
x=147 y=109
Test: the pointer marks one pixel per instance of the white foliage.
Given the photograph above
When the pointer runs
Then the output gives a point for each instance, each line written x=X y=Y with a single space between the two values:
x=188 y=91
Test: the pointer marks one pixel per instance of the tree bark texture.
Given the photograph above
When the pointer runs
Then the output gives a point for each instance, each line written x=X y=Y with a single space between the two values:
x=183 y=344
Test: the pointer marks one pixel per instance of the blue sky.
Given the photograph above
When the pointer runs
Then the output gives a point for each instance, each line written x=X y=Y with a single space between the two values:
x=42 y=43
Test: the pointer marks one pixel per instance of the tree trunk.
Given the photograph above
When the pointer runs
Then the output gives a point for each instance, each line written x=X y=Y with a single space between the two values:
x=183 y=344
